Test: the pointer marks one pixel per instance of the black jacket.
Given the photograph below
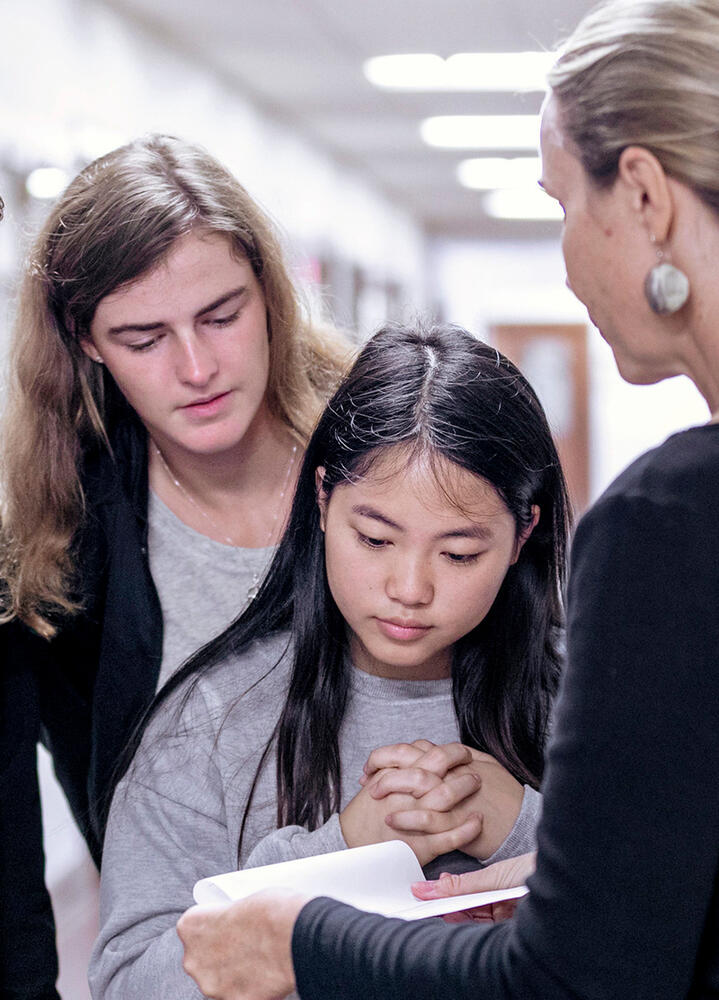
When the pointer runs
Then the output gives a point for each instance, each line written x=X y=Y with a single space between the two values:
x=80 y=694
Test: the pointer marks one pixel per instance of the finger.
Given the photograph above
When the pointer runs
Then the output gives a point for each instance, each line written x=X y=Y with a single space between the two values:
x=408 y=780
x=425 y=821
x=445 y=885
x=504 y=909
x=395 y=755
x=456 y=838
x=423 y=745
x=476 y=916
x=479 y=915
x=449 y=792
x=437 y=809
x=368 y=780
x=501 y=875
x=441 y=759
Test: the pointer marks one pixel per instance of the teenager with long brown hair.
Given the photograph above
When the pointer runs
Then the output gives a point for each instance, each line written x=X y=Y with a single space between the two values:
x=163 y=382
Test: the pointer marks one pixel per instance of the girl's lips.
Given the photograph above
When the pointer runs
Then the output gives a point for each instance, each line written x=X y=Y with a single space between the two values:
x=206 y=407
x=404 y=632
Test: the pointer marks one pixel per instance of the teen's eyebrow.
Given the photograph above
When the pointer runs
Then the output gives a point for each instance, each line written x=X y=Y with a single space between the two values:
x=480 y=531
x=364 y=510
x=147 y=327
x=222 y=300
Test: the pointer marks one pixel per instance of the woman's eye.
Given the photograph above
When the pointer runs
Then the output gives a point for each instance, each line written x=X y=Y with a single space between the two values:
x=143 y=345
x=224 y=320
x=372 y=543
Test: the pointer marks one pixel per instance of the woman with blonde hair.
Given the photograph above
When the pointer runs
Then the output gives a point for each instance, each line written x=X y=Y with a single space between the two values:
x=163 y=382
x=624 y=902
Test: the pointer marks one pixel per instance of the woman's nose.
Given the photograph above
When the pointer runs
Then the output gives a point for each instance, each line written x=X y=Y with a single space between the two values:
x=196 y=362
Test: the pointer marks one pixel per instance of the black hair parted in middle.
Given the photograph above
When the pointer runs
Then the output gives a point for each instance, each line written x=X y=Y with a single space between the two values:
x=441 y=395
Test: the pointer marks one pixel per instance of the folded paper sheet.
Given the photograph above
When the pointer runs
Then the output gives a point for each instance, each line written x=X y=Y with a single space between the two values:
x=376 y=878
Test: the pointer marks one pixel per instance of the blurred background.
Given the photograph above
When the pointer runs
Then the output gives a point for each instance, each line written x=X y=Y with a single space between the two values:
x=403 y=186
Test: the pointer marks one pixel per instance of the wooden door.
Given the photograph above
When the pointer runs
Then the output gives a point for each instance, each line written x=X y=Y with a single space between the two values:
x=554 y=359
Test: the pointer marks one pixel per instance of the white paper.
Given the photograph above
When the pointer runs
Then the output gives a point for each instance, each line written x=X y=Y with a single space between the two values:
x=376 y=878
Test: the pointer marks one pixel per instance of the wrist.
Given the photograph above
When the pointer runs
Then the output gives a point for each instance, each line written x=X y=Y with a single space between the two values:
x=280 y=914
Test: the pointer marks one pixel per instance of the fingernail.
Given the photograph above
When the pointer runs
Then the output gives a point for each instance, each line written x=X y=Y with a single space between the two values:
x=363 y=780
x=425 y=890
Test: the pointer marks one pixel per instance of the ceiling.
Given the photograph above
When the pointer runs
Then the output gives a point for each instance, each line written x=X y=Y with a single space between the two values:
x=301 y=61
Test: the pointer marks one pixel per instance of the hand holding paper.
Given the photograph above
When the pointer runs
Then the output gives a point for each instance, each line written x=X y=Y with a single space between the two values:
x=242 y=951
x=502 y=875
x=377 y=878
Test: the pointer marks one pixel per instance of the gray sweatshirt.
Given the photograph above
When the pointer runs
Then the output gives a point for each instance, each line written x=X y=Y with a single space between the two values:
x=176 y=816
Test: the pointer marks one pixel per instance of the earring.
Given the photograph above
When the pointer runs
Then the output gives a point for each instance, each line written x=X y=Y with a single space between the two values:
x=666 y=287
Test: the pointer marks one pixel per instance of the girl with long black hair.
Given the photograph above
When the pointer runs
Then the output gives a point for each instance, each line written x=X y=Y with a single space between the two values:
x=415 y=601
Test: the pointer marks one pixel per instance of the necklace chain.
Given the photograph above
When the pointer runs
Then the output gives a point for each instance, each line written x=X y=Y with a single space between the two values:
x=255 y=582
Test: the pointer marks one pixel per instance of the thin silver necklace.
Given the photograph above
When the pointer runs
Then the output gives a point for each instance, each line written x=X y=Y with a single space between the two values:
x=255 y=582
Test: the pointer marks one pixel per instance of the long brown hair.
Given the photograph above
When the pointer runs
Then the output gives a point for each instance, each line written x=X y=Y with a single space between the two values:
x=118 y=219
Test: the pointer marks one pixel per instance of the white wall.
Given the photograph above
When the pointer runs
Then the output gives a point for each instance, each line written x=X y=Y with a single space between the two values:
x=480 y=284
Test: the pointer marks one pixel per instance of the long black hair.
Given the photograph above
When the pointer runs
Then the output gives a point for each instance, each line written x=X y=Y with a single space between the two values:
x=445 y=394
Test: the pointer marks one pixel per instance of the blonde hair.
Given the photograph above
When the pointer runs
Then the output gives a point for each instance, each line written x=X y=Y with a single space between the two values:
x=117 y=220
x=646 y=73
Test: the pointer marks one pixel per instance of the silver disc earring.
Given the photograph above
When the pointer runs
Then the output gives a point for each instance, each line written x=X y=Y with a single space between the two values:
x=666 y=287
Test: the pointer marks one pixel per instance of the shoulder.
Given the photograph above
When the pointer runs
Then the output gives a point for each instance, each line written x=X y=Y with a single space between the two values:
x=678 y=479
x=244 y=678
x=209 y=718
x=683 y=470
x=120 y=472
x=658 y=518
x=253 y=673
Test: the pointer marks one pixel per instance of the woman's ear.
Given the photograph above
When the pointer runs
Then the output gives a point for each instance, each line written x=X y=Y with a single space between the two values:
x=649 y=190
x=524 y=535
x=89 y=348
x=321 y=495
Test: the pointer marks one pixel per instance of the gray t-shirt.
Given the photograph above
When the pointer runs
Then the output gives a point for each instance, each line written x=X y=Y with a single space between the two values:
x=176 y=816
x=202 y=584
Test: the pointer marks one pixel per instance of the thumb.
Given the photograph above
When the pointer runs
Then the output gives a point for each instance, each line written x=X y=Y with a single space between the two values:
x=501 y=875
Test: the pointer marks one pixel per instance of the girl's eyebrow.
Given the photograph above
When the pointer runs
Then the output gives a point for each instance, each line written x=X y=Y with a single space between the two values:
x=364 y=510
x=222 y=300
x=147 y=327
x=480 y=531
x=475 y=530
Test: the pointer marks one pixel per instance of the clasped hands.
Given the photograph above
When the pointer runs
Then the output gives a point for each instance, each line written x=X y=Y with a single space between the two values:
x=437 y=798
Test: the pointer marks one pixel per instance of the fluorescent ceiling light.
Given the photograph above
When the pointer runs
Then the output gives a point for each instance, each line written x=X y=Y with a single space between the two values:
x=482 y=131
x=532 y=203
x=488 y=172
x=46 y=182
x=465 y=71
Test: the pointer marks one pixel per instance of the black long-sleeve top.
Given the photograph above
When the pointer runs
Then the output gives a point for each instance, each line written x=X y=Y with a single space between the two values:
x=81 y=694
x=625 y=900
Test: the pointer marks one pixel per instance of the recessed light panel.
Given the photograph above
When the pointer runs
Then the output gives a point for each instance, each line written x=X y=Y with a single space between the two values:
x=482 y=131
x=464 y=71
